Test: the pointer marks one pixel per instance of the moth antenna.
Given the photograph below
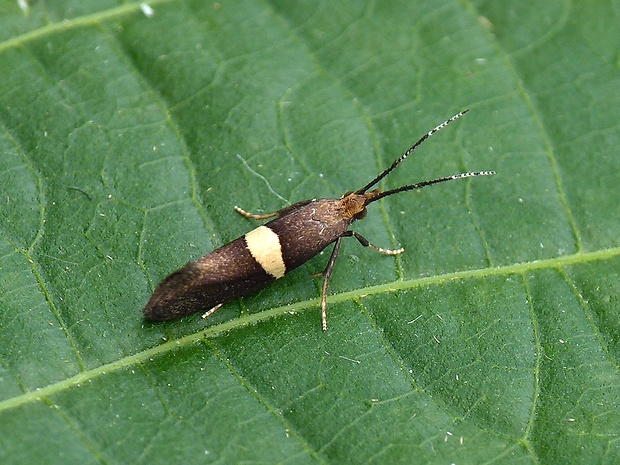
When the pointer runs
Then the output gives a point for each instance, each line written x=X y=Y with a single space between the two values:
x=422 y=184
x=400 y=159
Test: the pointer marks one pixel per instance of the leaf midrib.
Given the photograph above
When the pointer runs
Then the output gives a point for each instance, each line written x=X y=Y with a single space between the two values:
x=72 y=23
x=249 y=319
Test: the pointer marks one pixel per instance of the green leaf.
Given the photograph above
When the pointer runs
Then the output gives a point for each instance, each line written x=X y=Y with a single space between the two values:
x=126 y=139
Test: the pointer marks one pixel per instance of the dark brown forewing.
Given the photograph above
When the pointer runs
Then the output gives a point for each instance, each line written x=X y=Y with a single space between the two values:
x=225 y=274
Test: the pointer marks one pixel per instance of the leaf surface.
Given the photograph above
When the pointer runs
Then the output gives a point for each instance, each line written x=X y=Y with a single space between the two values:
x=126 y=138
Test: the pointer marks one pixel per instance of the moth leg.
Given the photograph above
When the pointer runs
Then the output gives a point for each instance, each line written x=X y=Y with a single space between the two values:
x=326 y=274
x=362 y=240
x=241 y=211
x=332 y=260
x=281 y=212
x=211 y=311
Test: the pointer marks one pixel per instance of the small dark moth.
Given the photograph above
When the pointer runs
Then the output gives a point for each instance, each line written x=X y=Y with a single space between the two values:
x=267 y=253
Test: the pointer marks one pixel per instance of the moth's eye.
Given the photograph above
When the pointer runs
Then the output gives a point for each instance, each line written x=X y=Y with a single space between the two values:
x=361 y=215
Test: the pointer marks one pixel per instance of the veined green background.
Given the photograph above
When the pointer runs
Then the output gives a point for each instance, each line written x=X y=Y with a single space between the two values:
x=126 y=138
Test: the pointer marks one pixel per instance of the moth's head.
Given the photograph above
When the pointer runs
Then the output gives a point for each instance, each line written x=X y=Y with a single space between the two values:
x=354 y=204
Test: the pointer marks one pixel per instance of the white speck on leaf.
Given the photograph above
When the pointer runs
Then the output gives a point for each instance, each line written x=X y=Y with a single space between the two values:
x=147 y=10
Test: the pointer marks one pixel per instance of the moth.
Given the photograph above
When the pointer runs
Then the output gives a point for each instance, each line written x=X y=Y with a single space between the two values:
x=298 y=233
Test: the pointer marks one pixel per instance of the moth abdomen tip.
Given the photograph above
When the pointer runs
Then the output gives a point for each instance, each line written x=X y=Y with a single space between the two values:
x=171 y=299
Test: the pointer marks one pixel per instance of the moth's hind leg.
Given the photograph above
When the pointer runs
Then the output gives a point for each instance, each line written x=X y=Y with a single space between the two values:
x=241 y=211
x=281 y=212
